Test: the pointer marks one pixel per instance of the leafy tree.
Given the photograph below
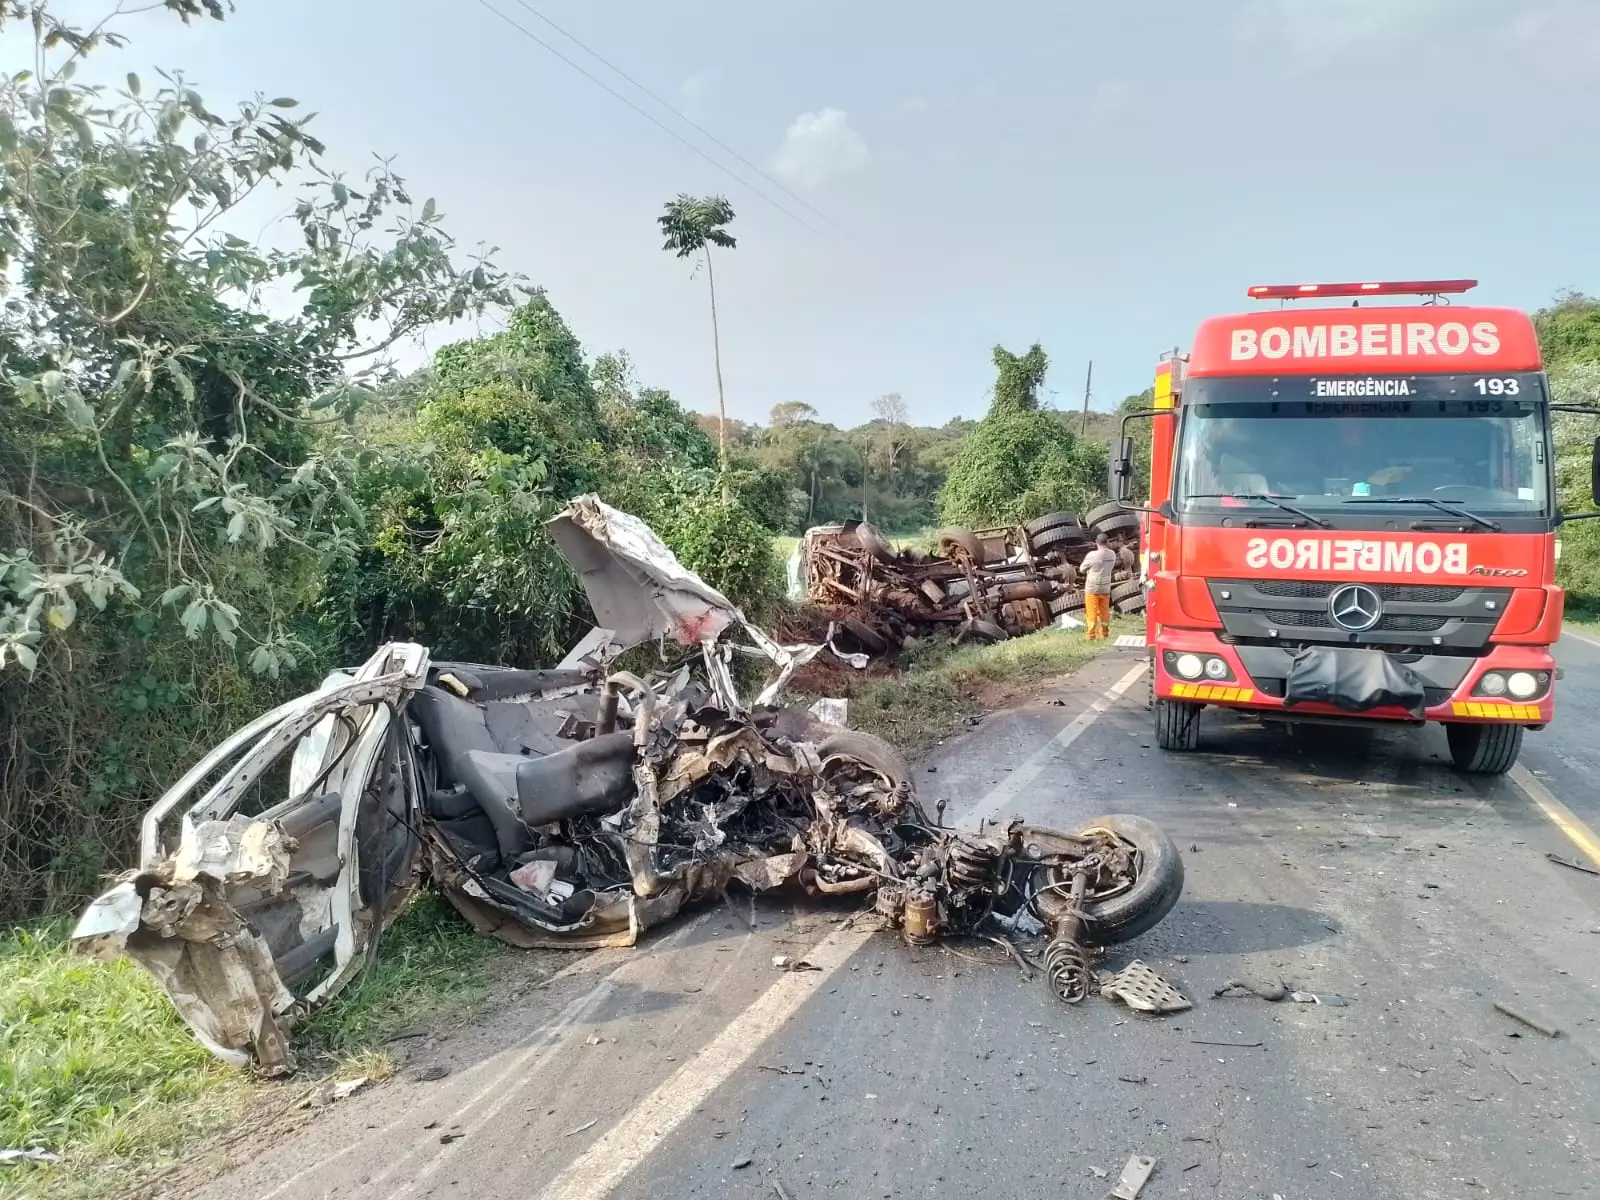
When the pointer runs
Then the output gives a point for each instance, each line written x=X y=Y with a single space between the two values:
x=1021 y=462
x=170 y=452
x=692 y=225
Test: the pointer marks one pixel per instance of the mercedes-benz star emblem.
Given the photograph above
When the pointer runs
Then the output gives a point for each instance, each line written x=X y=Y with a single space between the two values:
x=1355 y=607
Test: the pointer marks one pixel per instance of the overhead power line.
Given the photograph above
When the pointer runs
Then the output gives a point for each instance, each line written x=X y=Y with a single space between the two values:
x=680 y=114
x=659 y=124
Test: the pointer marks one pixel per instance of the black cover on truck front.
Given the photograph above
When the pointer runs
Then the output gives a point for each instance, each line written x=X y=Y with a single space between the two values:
x=1354 y=680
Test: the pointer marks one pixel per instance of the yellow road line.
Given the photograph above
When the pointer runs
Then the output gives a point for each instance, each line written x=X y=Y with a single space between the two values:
x=1560 y=815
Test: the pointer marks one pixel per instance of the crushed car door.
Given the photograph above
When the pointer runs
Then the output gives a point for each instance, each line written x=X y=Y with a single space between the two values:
x=267 y=872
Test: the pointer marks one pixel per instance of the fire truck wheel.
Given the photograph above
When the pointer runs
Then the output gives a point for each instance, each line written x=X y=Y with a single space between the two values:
x=1055 y=520
x=1177 y=725
x=1484 y=749
x=1062 y=536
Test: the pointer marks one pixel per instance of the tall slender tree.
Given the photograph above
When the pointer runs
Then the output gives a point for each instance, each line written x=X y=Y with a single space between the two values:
x=693 y=225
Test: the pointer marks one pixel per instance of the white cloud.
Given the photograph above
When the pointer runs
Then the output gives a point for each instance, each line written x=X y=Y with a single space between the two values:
x=696 y=93
x=1110 y=97
x=1322 y=28
x=819 y=146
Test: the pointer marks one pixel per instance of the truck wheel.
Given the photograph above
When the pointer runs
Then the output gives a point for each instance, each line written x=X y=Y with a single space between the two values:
x=1055 y=520
x=1058 y=537
x=1125 y=523
x=1177 y=725
x=950 y=541
x=1484 y=749
x=1095 y=516
x=1067 y=602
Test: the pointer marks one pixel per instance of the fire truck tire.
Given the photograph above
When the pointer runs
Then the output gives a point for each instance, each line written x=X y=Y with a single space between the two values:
x=1067 y=602
x=950 y=540
x=1177 y=725
x=1155 y=889
x=1061 y=537
x=1484 y=749
x=1055 y=520
x=1095 y=516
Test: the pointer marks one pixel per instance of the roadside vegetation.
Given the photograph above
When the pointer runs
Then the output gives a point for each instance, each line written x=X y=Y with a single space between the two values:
x=96 y=1066
x=942 y=687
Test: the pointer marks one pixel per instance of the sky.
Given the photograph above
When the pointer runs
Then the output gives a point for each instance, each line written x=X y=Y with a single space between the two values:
x=933 y=181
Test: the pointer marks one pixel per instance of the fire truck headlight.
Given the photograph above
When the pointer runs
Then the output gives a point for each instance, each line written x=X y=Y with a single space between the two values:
x=1523 y=685
x=1493 y=684
x=1189 y=666
x=1217 y=668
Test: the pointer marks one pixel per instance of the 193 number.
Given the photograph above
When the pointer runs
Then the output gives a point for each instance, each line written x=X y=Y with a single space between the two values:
x=1498 y=387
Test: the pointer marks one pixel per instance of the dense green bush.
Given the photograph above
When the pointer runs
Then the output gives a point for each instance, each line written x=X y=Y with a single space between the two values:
x=1021 y=461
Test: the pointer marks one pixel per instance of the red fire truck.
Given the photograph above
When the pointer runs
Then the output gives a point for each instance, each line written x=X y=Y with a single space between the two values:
x=1352 y=516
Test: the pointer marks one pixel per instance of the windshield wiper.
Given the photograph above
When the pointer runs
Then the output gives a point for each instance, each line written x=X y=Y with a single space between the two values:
x=1442 y=506
x=1270 y=498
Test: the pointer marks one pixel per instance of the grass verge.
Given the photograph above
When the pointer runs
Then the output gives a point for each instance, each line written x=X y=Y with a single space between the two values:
x=937 y=690
x=97 y=1067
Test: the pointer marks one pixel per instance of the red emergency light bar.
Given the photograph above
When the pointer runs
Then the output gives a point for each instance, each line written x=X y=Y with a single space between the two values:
x=1306 y=291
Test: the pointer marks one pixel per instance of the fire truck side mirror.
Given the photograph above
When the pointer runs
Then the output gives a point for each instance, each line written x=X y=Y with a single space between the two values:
x=1120 y=485
x=1594 y=472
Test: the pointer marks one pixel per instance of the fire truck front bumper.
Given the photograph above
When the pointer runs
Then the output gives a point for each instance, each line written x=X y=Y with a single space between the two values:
x=1508 y=685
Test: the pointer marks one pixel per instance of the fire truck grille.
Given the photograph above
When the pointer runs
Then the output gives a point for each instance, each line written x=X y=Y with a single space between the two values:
x=1320 y=589
x=1311 y=618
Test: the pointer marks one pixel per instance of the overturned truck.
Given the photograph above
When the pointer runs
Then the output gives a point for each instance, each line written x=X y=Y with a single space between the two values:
x=573 y=807
x=975 y=584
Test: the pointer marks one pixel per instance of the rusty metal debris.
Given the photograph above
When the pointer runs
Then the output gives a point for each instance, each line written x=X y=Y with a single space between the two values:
x=985 y=584
x=575 y=807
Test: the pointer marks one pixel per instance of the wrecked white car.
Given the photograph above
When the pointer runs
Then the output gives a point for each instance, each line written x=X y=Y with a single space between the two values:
x=574 y=807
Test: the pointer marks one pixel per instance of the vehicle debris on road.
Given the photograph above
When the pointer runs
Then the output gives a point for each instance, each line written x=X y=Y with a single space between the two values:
x=984 y=584
x=1135 y=1174
x=1522 y=1018
x=574 y=807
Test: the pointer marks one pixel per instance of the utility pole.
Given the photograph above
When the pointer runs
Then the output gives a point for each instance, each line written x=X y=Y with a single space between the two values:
x=1088 y=379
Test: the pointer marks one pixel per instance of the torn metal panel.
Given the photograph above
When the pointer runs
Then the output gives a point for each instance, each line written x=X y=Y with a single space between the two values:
x=636 y=585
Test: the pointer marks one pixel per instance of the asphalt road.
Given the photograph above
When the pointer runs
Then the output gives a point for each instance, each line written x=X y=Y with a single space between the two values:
x=1353 y=865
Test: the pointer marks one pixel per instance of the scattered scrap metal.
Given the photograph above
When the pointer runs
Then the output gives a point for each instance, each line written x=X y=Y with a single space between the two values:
x=574 y=807
x=984 y=584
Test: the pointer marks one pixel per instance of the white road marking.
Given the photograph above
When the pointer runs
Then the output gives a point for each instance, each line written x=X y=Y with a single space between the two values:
x=1561 y=816
x=613 y=1156
x=1582 y=637
x=1006 y=791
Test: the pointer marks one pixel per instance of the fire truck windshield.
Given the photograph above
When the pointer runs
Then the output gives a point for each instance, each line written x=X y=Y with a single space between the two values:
x=1475 y=442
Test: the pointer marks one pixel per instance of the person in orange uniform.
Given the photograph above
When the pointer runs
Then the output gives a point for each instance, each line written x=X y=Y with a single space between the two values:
x=1097 y=567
